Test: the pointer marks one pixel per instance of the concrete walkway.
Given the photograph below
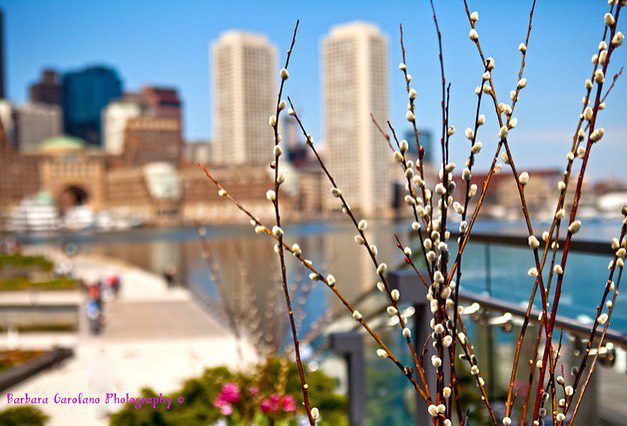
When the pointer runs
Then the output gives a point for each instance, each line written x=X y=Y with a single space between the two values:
x=153 y=336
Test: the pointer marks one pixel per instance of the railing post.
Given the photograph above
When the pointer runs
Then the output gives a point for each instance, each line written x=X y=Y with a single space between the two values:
x=413 y=293
x=351 y=346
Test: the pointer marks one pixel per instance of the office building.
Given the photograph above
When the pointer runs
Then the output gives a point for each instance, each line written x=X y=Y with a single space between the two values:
x=48 y=89
x=34 y=123
x=85 y=93
x=355 y=84
x=244 y=80
x=115 y=117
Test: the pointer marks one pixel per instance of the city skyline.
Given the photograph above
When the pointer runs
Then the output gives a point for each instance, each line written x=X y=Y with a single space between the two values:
x=547 y=112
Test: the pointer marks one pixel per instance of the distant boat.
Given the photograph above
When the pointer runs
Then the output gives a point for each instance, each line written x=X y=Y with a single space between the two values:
x=610 y=204
x=34 y=214
x=79 y=218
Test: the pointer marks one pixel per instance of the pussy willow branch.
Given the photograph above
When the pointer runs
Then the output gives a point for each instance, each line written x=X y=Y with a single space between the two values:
x=348 y=211
x=277 y=214
x=319 y=276
x=421 y=151
x=599 y=346
x=226 y=305
x=504 y=143
x=440 y=314
x=550 y=241
x=610 y=286
x=471 y=358
x=406 y=165
x=573 y=212
x=467 y=197
x=520 y=187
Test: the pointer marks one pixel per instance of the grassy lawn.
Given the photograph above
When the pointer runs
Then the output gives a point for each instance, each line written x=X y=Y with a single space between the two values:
x=23 y=283
x=17 y=271
x=20 y=261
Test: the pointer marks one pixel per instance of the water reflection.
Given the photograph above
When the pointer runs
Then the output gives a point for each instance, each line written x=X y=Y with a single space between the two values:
x=331 y=247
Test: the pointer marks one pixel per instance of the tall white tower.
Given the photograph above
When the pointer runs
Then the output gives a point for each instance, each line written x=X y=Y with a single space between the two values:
x=244 y=74
x=355 y=82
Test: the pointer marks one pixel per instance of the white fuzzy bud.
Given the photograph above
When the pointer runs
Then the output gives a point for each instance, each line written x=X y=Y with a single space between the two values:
x=277 y=231
x=609 y=19
x=315 y=413
x=357 y=315
x=284 y=74
x=470 y=134
x=222 y=192
x=406 y=333
x=382 y=268
x=395 y=294
x=330 y=280
x=473 y=35
x=447 y=341
x=568 y=390
x=597 y=134
x=533 y=242
x=523 y=179
x=382 y=353
x=271 y=195
x=336 y=192
x=522 y=47
x=522 y=83
x=503 y=132
x=362 y=225
x=410 y=116
x=474 y=16
x=432 y=410
x=618 y=39
x=602 y=319
x=574 y=227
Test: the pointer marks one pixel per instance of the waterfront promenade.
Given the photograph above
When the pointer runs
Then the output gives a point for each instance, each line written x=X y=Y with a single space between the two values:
x=154 y=337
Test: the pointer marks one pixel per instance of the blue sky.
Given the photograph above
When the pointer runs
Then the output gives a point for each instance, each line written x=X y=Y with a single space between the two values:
x=167 y=42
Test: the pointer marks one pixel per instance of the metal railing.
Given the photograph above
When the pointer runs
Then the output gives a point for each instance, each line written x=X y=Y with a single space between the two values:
x=349 y=343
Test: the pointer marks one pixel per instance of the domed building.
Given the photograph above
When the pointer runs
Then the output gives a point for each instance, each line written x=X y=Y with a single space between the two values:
x=61 y=144
x=73 y=173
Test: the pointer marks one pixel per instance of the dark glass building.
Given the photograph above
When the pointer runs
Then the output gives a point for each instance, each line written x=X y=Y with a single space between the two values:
x=85 y=94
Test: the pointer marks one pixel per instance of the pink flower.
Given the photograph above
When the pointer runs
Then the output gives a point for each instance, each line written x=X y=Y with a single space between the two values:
x=226 y=410
x=219 y=401
x=275 y=398
x=265 y=406
x=288 y=403
x=271 y=404
x=254 y=390
x=229 y=392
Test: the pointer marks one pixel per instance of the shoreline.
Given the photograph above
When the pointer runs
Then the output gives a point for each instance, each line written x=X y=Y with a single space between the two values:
x=154 y=336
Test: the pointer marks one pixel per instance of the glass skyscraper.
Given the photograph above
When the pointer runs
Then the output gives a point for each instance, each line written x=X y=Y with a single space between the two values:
x=85 y=93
